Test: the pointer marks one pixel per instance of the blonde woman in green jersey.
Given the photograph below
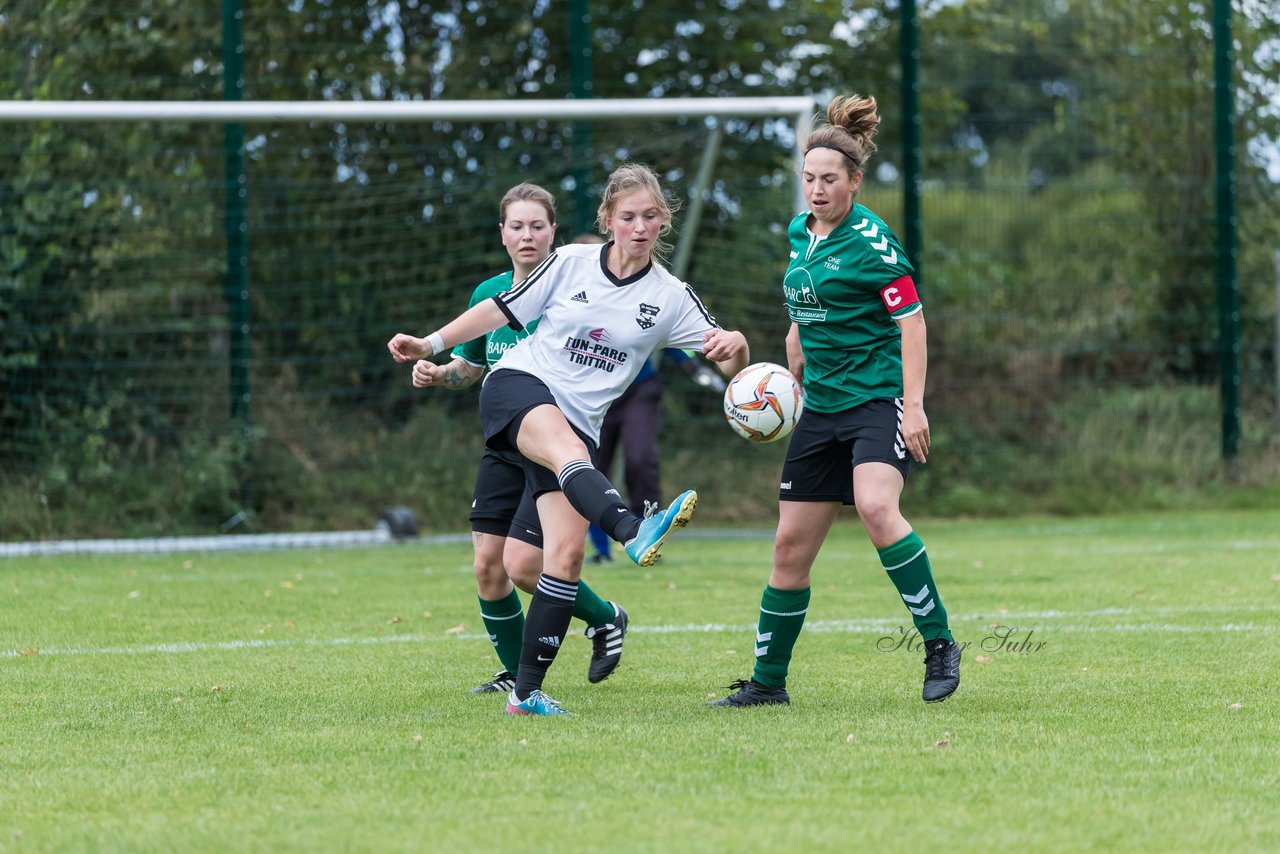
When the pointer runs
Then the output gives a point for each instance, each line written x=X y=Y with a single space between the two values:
x=505 y=533
x=857 y=341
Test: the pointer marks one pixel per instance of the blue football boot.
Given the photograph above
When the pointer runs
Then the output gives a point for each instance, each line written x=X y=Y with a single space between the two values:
x=537 y=704
x=646 y=546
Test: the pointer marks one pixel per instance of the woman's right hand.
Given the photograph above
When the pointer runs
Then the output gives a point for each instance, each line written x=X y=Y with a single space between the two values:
x=427 y=374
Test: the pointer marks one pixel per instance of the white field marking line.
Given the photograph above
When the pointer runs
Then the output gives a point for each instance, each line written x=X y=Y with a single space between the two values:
x=221 y=646
x=1167 y=547
x=380 y=538
x=859 y=626
x=1115 y=612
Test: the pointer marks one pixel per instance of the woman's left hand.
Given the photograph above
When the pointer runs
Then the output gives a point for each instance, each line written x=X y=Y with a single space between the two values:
x=720 y=345
x=915 y=432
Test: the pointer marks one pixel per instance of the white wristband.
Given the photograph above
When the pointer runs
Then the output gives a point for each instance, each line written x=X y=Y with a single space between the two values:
x=435 y=342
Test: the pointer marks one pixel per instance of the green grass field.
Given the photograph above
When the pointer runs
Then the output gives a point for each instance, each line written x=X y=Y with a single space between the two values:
x=317 y=700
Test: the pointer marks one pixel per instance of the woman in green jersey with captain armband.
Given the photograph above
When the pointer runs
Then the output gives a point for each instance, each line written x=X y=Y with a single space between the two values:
x=857 y=342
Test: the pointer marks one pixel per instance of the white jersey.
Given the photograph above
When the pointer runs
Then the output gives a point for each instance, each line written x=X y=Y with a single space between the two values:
x=596 y=330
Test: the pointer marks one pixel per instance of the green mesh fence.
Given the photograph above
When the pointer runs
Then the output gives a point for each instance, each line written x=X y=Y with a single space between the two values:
x=1068 y=245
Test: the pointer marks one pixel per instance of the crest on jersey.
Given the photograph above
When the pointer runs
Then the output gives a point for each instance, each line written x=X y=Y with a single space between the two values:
x=646 y=316
x=801 y=292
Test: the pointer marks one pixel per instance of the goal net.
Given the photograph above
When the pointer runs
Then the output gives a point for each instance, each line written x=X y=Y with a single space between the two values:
x=191 y=286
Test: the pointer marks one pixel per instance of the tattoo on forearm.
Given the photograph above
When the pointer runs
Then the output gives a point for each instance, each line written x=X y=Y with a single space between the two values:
x=457 y=379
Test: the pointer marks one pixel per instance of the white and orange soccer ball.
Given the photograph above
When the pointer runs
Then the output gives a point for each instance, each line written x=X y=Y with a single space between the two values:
x=763 y=402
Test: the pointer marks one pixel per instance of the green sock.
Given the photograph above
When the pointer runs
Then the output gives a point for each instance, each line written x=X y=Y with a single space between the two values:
x=504 y=619
x=908 y=566
x=590 y=608
x=781 y=616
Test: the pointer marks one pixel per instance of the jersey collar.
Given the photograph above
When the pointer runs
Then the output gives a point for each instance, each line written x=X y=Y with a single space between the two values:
x=620 y=283
x=853 y=209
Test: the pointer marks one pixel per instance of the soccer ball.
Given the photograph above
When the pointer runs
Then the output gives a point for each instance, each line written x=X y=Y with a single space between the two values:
x=763 y=402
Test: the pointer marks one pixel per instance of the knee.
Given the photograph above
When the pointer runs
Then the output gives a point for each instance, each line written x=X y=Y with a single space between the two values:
x=566 y=448
x=524 y=565
x=491 y=577
x=784 y=549
x=566 y=557
x=881 y=519
x=791 y=561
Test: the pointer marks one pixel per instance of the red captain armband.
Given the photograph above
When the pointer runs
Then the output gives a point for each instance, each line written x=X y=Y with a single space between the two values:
x=898 y=294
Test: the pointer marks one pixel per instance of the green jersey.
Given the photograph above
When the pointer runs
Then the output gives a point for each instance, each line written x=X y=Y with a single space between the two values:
x=487 y=349
x=843 y=292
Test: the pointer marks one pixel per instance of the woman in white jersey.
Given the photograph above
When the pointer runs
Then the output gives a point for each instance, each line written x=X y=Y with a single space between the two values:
x=601 y=311
x=857 y=341
x=502 y=508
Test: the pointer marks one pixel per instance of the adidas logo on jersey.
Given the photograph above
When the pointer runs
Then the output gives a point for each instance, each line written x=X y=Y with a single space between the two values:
x=552 y=641
x=580 y=296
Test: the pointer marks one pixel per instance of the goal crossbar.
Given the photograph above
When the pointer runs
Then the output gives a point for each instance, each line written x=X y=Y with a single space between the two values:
x=798 y=109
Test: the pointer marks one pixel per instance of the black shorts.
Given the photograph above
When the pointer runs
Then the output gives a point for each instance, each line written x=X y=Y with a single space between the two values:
x=826 y=446
x=505 y=399
x=500 y=504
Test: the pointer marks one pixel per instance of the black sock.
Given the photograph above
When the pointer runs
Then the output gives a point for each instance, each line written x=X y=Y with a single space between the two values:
x=545 y=625
x=595 y=498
